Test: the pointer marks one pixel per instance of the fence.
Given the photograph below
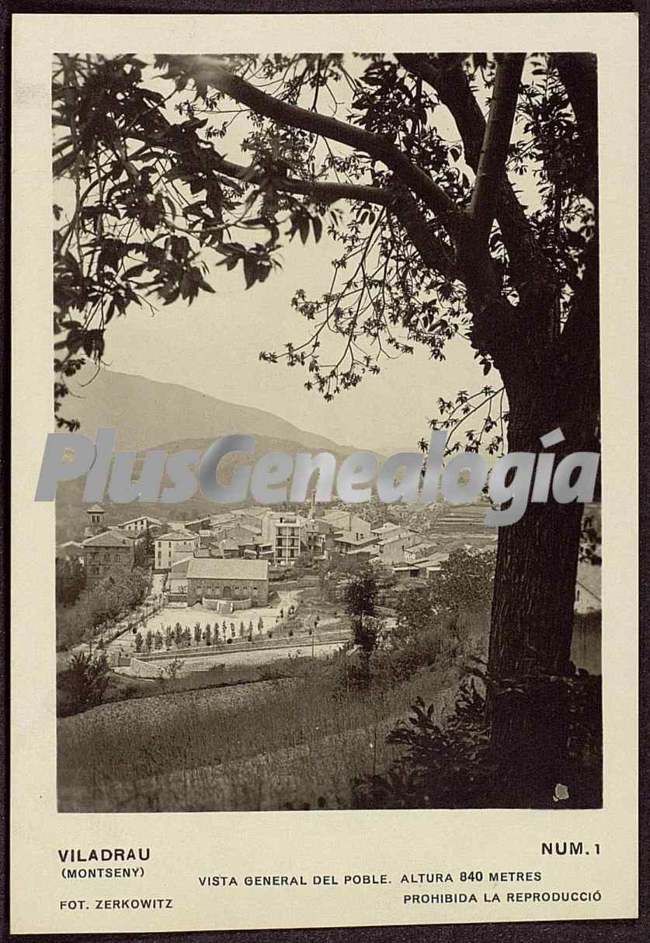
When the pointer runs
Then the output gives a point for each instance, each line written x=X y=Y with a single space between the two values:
x=240 y=645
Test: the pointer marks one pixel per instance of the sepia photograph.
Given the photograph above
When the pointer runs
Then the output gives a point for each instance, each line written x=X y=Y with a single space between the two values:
x=326 y=431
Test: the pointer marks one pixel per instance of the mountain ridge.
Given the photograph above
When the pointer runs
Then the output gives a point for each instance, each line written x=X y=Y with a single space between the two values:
x=147 y=413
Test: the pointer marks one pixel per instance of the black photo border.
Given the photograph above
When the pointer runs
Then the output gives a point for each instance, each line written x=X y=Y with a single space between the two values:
x=543 y=931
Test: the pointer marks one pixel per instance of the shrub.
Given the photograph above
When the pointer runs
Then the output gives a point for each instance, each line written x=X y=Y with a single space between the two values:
x=83 y=683
x=281 y=669
x=450 y=765
x=70 y=581
x=172 y=669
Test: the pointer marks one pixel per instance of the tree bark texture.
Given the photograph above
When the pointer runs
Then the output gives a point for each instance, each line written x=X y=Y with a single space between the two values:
x=533 y=603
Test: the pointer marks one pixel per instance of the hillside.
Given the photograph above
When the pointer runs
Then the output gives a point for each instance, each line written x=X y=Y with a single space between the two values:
x=146 y=413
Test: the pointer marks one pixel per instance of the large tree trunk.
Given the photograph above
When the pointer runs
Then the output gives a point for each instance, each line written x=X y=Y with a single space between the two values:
x=534 y=592
x=537 y=557
x=530 y=646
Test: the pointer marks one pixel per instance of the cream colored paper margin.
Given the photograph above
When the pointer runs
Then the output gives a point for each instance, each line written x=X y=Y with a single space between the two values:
x=333 y=842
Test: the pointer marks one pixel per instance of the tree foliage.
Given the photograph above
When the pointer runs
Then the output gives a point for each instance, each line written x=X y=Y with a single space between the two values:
x=383 y=153
x=99 y=604
x=462 y=586
x=70 y=580
x=448 y=762
x=83 y=683
x=464 y=582
x=360 y=594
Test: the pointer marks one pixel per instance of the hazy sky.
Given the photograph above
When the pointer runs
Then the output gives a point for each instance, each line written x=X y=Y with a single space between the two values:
x=213 y=346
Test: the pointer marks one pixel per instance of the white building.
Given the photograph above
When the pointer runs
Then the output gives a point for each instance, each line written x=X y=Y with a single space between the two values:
x=345 y=522
x=140 y=525
x=286 y=532
x=393 y=547
x=173 y=546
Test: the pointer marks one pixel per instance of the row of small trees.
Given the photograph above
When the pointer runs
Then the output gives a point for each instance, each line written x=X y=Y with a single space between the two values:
x=183 y=637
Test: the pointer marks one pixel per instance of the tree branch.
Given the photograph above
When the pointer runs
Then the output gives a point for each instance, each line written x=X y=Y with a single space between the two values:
x=432 y=251
x=496 y=329
x=402 y=205
x=580 y=336
x=208 y=70
x=578 y=74
x=495 y=143
x=579 y=77
x=447 y=77
x=320 y=191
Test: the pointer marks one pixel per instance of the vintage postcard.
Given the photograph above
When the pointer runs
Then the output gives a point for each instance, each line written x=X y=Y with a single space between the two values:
x=324 y=556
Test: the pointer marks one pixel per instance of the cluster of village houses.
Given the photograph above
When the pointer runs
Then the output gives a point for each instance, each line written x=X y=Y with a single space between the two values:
x=228 y=555
x=225 y=559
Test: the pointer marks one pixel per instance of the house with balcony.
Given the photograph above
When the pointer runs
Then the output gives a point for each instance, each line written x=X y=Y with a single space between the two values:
x=287 y=533
x=350 y=543
x=339 y=531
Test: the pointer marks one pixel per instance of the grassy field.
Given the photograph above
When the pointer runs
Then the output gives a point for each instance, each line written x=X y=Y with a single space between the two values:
x=283 y=742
